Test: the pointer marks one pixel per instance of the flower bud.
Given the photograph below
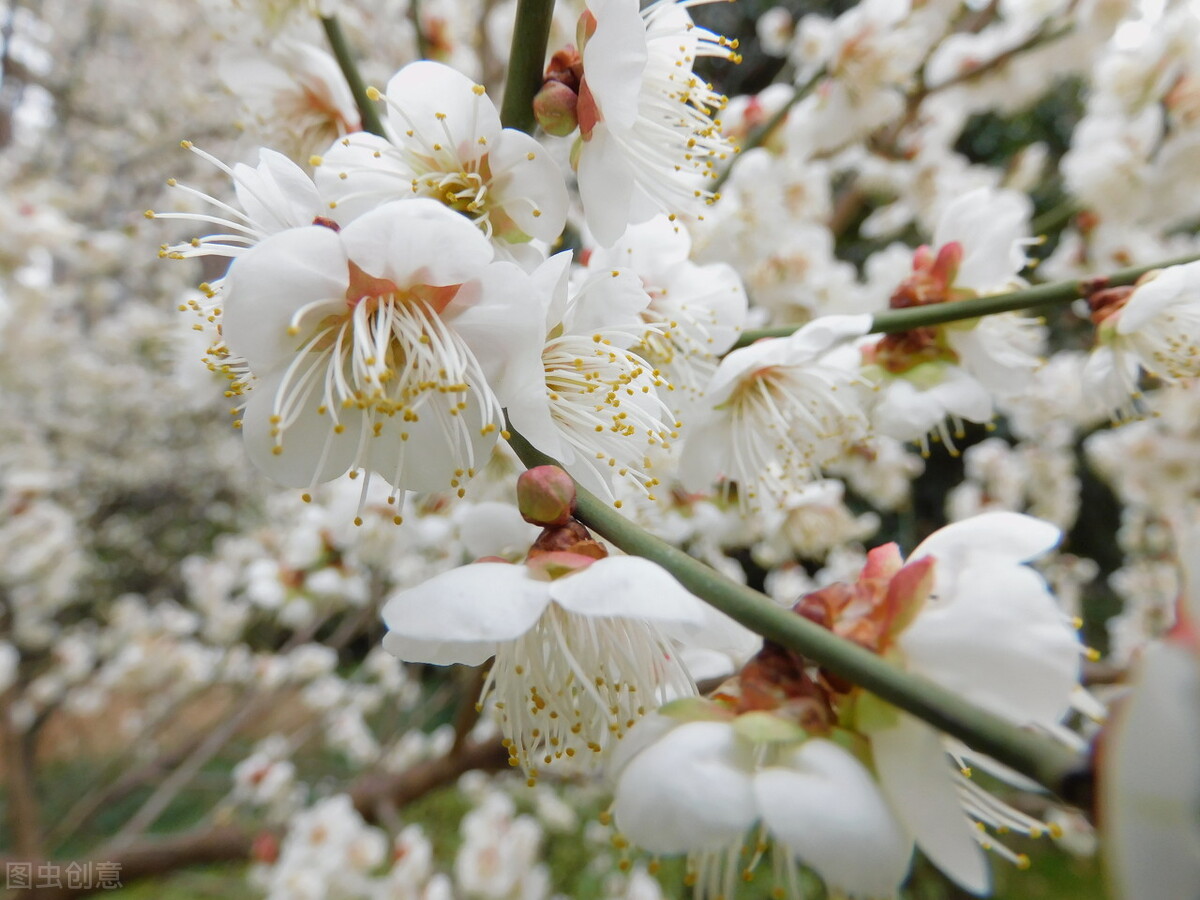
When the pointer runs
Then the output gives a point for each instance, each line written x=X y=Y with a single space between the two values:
x=554 y=108
x=265 y=848
x=546 y=496
x=566 y=65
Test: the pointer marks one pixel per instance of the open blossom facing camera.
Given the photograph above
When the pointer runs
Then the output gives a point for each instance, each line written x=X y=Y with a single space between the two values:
x=775 y=413
x=374 y=348
x=445 y=142
x=648 y=142
x=699 y=309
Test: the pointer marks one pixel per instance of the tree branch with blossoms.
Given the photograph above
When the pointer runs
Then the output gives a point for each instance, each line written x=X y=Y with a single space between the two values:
x=1045 y=760
x=1042 y=759
x=1032 y=298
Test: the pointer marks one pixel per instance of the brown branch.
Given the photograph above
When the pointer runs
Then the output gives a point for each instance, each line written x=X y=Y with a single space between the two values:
x=24 y=812
x=233 y=844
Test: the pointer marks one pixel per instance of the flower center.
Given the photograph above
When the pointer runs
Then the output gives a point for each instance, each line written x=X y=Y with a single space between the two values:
x=387 y=354
x=573 y=685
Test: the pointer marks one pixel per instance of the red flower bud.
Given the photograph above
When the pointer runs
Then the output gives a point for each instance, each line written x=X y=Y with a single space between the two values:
x=546 y=496
x=554 y=108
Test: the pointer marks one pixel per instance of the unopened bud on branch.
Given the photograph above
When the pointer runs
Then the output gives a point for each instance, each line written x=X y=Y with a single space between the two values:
x=554 y=108
x=546 y=496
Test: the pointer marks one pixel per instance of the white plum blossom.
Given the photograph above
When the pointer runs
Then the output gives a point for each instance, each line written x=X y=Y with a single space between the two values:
x=698 y=787
x=499 y=853
x=775 y=413
x=374 y=348
x=296 y=96
x=329 y=851
x=274 y=195
x=582 y=645
x=648 y=141
x=591 y=402
x=1155 y=327
x=445 y=141
x=699 y=310
x=957 y=369
x=981 y=623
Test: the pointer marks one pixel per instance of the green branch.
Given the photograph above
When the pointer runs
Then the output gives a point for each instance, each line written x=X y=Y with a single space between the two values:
x=763 y=131
x=414 y=15
x=526 y=63
x=1039 y=757
x=1043 y=295
x=345 y=60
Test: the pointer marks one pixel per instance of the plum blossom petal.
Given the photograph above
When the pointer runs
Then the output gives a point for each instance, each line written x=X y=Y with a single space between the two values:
x=1000 y=640
x=999 y=535
x=823 y=804
x=992 y=225
x=915 y=777
x=688 y=791
x=285 y=273
x=528 y=185
x=606 y=186
x=484 y=602
x=277 y=194
x=440 y=104
x=309 y=437
x=616 y=57
x=411 y=248
x=631 y=587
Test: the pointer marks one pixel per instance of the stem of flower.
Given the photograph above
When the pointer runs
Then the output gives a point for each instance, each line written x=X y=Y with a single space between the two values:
x=414 y=15
x=1042 y=295
x=1055 y=217
x=1037 y=756
x=341 y=52
x=763 y=131
x=526 y=63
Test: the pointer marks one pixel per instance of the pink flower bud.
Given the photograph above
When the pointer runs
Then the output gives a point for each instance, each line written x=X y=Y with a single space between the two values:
x=554 y=108
x=546 y=496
